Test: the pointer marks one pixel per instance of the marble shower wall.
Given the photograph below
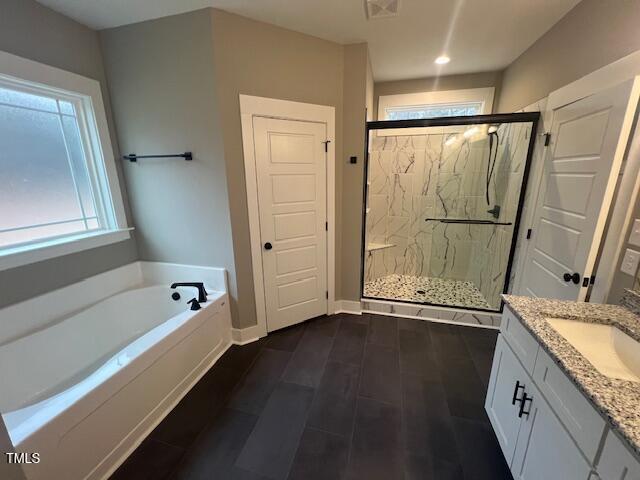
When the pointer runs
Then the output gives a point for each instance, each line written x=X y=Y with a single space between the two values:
x=402 y=177
x=442 y=174
x=504 y=190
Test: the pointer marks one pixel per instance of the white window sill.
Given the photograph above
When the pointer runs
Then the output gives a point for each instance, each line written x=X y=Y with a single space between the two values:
x=27 y=254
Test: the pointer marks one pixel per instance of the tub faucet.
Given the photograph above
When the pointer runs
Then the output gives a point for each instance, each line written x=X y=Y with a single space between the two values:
x=195 y=305
x=202 y=293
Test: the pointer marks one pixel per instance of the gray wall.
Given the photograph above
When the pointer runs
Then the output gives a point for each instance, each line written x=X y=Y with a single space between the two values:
x=162 y=79
x=186 y=76
x=370 y=90
x=621 y=280
x=356 y=61
x=593 y=34
x=32 y=31
x=437 y=84
x=256 y=58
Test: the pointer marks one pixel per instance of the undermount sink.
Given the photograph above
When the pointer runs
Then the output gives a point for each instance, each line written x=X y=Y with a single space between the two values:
x=611 y=351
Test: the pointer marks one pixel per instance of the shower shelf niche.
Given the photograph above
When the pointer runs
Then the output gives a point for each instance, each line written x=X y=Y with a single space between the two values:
x=372 y=247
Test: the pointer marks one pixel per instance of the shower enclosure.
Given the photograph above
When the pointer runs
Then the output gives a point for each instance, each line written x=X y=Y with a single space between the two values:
x=443 y=199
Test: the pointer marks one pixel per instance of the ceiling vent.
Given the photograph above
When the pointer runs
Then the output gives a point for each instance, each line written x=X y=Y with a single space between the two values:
x=382 y=8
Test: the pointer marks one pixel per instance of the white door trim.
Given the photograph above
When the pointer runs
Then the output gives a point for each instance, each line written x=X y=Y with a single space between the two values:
x=608 y=76
x=251 y=106
x=536 y=173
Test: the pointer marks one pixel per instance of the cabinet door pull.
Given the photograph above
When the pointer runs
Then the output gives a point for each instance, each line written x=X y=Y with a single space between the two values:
x=515 y=393
x=525 y=398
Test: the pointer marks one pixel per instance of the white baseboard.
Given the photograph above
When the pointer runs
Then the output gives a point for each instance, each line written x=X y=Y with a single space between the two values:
x=243 y=336
x=348 y=306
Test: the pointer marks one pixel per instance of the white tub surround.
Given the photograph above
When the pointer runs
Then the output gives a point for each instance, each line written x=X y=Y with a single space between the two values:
x=89 y=370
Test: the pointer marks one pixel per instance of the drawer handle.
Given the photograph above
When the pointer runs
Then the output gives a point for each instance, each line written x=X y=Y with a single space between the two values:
x=525 y=398
x=515 y=393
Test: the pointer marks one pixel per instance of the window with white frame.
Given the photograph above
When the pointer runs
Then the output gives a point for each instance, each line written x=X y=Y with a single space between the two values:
x=412 y=112
x=57 y=177
x=446 y=103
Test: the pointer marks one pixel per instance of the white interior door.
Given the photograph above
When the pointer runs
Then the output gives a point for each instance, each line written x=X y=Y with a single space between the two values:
x=588 y=139
x=292 y=200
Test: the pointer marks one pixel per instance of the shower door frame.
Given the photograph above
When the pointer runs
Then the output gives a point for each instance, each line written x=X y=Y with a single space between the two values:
x=523 y=117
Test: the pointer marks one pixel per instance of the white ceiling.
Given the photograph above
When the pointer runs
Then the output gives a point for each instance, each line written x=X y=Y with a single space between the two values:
x=478 y=35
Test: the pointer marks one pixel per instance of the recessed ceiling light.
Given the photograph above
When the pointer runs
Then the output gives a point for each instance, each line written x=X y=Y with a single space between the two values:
x=442 y=59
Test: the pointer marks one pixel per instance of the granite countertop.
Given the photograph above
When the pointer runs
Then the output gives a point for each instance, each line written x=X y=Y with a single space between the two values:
x=617 y=400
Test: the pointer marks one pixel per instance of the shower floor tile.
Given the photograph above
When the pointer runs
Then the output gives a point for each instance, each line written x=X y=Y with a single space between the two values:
x=426 y=290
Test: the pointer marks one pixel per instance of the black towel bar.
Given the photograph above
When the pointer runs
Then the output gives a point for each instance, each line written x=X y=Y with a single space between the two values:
x=132 y=157
x=466 y=221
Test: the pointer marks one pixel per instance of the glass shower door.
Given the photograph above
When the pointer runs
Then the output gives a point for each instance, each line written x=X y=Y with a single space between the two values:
x=442 y=205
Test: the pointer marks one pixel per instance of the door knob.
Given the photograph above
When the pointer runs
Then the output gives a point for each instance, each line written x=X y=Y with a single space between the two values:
x=268 y=246
x=575 y=278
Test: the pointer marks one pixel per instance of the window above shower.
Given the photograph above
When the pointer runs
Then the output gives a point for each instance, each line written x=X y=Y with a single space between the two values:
x=59 y=191
x=423 y=105
x=442 y=210
x=415 y=112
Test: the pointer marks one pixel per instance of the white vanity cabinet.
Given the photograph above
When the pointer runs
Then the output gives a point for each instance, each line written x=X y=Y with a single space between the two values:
x=506 y=384
x=616 y=462
x=545 y=450
x=546 y=427
x=533 y=441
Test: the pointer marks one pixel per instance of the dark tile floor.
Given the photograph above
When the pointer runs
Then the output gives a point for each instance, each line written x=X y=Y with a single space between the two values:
x=342 y=397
